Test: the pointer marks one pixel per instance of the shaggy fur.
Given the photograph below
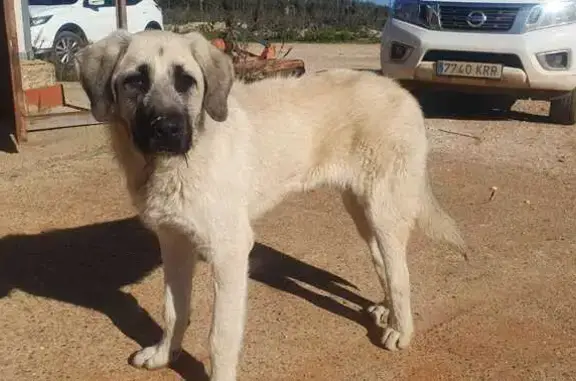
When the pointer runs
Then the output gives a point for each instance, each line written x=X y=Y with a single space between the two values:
x=246 y=148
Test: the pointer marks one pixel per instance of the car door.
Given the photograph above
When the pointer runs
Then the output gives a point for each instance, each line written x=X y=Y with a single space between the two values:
x=100 y=19
x=136 y=15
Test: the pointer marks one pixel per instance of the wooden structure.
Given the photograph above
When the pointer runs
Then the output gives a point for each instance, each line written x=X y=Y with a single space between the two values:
x=15 y=120
x=13 y=128
x=121 y=16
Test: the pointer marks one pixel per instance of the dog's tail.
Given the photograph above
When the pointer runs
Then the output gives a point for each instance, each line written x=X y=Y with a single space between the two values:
x=437 y=224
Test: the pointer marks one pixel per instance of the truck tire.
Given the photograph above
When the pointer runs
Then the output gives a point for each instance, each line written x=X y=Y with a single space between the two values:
x=153 y=25
x=563 y=109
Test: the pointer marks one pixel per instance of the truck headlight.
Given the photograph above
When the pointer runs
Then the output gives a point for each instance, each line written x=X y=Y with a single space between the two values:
x=35 y=21
x=417 y=12
x=552 y=13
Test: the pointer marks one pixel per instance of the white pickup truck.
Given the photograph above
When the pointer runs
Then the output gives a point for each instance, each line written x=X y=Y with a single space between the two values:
x=507 y=49
x=59 y=27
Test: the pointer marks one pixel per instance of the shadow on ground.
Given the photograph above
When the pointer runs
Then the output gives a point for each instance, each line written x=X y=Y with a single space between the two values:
x=449 y=105
x=454 y=105
x=88 y=265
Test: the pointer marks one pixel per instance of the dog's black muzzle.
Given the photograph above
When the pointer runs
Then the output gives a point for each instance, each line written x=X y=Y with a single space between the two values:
x=168 y=133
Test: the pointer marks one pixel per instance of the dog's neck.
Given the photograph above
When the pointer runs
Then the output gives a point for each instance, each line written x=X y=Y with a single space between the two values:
x=140 y=169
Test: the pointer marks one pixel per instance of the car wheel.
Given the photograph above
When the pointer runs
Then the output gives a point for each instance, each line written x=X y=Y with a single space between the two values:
x=153 y=26
x=563 y=109
x=66 y=44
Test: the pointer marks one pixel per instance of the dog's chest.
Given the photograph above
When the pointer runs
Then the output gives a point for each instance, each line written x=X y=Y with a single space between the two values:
x=165 y=201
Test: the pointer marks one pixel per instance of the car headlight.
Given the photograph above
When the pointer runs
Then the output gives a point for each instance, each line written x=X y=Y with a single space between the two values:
x=35 y=21
x=552 y=13
x=417 y=12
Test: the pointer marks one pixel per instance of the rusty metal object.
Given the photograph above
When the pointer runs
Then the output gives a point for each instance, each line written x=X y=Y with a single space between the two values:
x=253 y=70
x=251 y=67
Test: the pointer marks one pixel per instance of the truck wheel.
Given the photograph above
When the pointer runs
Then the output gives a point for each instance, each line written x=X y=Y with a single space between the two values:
x=563 y=109
x=153 y=25
x=66 y=44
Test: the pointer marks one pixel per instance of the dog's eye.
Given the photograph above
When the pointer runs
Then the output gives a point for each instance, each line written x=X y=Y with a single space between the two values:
x=183 y=81
x=136 y=82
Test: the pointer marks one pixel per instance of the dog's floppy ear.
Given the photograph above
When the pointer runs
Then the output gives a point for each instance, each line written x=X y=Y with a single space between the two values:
x=95 y=65
x=218 y=75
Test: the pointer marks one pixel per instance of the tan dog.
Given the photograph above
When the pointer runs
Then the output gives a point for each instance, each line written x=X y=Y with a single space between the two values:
x=204 y=156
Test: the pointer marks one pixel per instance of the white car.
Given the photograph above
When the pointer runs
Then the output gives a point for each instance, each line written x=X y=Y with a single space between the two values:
x=59 y=27
x=508 y=49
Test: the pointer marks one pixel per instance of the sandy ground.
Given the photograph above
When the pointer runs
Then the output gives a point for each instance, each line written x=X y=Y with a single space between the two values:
x=80 y=286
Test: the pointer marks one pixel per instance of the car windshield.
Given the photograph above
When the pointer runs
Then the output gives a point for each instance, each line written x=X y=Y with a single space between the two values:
x=51 y=2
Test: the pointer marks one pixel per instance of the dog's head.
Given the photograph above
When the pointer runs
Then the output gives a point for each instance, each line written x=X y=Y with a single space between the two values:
x=157 y=84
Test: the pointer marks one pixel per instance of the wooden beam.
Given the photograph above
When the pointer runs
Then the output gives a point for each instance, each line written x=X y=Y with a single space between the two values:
x=15 y=73
x=61 y=120
x=121 y=18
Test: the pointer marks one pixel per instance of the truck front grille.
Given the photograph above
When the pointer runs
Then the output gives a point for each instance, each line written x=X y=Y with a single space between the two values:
x=498 y=18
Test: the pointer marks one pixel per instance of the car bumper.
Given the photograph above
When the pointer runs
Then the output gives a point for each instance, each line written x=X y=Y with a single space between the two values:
x=521 y=70
x=41 y=41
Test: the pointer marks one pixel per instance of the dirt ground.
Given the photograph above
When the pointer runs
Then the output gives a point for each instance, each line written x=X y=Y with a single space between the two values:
x=81 y=288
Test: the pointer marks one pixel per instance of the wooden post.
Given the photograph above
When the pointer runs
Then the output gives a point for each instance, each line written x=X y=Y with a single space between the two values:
x=15 y=73
x=121 y=18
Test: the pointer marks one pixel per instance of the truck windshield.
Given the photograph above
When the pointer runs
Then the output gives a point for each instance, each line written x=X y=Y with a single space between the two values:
x=51 y=2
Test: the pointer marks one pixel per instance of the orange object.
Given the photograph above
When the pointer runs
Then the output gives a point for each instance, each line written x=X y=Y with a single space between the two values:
x=268 y=53
x=219 y=43
x=45 y=97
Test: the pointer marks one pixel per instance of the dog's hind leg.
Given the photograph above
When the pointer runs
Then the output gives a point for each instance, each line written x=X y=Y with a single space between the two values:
x=355 y=209
x=179 y=260
x=391 y=211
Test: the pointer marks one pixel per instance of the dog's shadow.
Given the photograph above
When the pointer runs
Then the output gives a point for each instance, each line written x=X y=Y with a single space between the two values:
x=87 y=266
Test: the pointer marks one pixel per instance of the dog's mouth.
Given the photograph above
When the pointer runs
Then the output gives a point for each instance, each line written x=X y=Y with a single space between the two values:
x=169 y=147
x=176 y=146
x=166 y=135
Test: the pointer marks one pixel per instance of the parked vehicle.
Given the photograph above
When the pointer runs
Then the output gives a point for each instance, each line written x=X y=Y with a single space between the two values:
x=60 y=27
x=508 y=49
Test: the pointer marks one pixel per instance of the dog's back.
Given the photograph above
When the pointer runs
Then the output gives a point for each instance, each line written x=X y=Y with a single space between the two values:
x=330 y=121
x=338 y=95
x=346 y=129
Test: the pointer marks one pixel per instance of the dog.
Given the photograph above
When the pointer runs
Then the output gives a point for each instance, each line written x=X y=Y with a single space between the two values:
x=204 y=155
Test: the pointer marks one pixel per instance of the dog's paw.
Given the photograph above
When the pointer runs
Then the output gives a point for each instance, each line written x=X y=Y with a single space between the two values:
x=379 y=314
x=153 y=357
x=394 y=340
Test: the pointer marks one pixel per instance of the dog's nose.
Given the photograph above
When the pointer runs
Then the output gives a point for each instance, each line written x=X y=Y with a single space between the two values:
x=167 y=127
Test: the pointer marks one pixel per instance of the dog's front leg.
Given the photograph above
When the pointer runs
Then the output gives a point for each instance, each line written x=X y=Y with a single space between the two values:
x=179 y=260
x=230 y=269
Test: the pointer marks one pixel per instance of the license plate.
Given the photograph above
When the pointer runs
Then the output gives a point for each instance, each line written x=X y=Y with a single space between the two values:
x=469 y=69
